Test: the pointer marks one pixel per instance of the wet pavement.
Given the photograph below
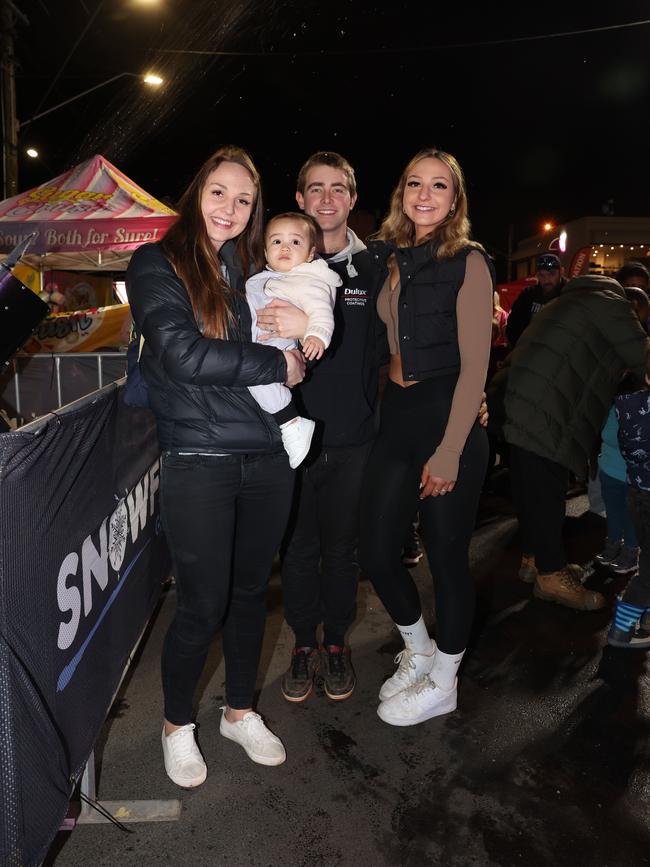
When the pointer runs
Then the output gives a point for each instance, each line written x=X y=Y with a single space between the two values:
x=546 y=761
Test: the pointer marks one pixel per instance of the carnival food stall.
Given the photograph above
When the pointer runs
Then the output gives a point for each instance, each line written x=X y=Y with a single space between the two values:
x=85 y=224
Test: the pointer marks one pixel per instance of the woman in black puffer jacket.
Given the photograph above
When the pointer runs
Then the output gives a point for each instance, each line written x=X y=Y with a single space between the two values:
x=226 y=484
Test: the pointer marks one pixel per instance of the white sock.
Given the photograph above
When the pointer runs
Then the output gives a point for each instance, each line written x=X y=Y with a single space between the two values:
x=416 y=637
x=445 y=669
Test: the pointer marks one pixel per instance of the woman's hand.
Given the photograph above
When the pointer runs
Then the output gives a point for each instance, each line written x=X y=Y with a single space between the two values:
x=295 y=367
x=439 y=474
x=433 y=486
x=281 y=319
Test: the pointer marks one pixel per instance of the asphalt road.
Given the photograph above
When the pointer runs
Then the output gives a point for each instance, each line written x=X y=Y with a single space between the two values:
x=546 y=761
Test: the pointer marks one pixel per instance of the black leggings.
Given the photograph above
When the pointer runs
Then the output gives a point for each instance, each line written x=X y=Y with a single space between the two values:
x=413 y=422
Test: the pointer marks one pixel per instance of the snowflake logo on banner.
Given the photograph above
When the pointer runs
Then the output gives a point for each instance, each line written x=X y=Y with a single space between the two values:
x=117 y=535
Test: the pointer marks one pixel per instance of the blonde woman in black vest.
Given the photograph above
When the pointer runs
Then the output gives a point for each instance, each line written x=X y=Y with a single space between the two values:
x=431 y=454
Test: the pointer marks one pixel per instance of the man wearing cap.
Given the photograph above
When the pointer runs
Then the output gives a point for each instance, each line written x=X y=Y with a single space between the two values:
x=550 y=283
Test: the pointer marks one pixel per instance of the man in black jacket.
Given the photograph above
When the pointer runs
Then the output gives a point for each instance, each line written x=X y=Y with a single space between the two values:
x=550 y=283
x=319 y=570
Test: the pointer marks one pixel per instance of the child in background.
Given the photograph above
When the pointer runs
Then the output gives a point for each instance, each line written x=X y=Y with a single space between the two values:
x=293 y=275
x=621 y=551
x=631 y=624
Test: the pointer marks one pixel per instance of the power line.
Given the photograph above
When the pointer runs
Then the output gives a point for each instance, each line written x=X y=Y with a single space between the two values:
x=408 y=49
x=69 y=55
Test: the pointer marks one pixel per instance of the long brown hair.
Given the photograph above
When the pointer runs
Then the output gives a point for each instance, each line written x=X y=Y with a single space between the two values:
x=452 y=234
x=193 y=257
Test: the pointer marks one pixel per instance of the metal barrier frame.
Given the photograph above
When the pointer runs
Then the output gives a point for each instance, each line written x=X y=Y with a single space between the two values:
x=57 y=356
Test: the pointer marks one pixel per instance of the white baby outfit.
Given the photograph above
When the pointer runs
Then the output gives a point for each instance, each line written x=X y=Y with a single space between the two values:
x=311 y=287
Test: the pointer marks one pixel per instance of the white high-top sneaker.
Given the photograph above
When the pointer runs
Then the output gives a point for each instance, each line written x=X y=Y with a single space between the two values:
x=411 y=667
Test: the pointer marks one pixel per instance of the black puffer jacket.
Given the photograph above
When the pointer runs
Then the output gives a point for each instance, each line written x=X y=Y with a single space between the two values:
x=198 y=386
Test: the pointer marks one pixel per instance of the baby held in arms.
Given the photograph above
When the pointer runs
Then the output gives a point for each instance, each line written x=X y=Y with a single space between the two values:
x=293 y=274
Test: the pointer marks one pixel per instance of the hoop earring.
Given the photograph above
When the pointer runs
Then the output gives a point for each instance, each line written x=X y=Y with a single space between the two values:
x=452 y=211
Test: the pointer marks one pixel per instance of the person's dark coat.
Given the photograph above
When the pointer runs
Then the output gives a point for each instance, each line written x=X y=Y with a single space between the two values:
x=555 y=393
x=198 y=386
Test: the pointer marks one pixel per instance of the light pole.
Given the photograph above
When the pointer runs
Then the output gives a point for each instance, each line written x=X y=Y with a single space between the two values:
x=11 y=125
x=9 y=122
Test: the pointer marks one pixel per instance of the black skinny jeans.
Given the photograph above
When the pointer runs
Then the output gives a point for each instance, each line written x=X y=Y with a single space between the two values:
x=319 y=570
x=223 y=518
x=539 y=488
x=637 y=591
x=413 y=422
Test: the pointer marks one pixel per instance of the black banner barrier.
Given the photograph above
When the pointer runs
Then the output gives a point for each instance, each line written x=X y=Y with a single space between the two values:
x=82 y=559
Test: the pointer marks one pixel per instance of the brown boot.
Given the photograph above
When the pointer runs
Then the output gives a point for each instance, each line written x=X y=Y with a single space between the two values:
x=564 y=588
x=528 y=570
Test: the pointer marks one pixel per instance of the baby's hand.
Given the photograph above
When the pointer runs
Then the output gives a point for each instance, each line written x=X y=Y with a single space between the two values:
x=313 y=347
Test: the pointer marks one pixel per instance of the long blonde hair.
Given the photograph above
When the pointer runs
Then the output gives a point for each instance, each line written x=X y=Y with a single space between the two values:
x=188 y=247
x=452 y=234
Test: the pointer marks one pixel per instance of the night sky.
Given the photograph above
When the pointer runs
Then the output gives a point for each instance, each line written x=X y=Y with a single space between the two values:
x=550 y=128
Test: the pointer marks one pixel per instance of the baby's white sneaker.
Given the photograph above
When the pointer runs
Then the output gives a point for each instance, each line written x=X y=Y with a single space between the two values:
x=296 y=439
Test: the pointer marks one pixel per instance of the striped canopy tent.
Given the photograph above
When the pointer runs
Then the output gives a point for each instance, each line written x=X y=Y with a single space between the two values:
x=89 y=218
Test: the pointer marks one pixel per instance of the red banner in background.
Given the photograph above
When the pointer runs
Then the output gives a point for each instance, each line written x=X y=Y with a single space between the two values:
x=509 y=292
x=579 y=262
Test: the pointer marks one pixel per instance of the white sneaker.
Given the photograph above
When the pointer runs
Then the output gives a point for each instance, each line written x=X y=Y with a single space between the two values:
x=183 y=761
x=418 y=703
x=261 y=745
x=296 y=439
x=410 y=668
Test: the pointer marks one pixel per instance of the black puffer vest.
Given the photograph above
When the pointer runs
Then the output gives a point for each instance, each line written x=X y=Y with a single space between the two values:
x=428 y=330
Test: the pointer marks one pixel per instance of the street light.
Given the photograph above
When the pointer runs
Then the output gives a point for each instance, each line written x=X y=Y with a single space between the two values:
x=11 y=126
x=150 y=79
x=9 y=15
x=32 y=153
